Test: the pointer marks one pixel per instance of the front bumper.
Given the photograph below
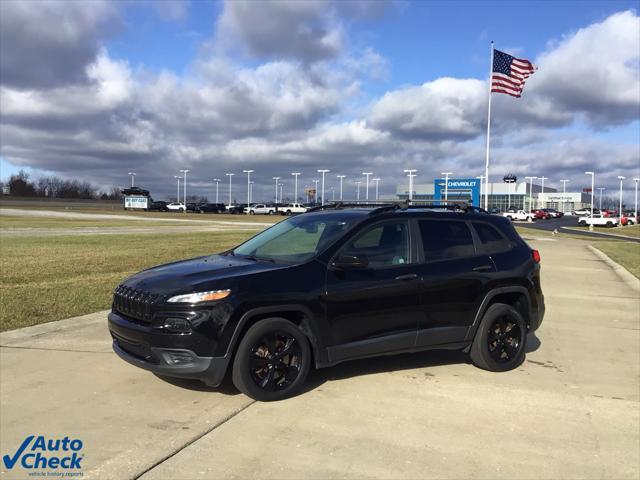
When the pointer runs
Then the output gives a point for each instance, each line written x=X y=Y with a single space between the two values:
x=163 y=354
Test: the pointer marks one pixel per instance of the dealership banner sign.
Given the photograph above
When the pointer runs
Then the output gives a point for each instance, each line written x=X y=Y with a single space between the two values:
x=136 y=202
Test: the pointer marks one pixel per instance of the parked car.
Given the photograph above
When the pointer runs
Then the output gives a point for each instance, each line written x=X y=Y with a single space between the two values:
x=609 y=213
x=192 y=207
x=540 y=213
x=333 y=285
x=628 y=219
x=260 y=209
x=176 y=207
x=292 y=208
x=212 y=208
x=519 y=215
x=237 y=209
x=598 y=220
x=158 y=206
x=553 y=213
x=585 y=211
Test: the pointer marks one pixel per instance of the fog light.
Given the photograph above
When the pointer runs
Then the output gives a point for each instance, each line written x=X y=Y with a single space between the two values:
x=177 y=325
x=178 y=358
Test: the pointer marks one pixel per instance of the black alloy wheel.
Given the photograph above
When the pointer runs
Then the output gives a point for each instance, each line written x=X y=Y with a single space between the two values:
x=275 y=361
x=503 y=339
x=500 y=341
x=272 y=360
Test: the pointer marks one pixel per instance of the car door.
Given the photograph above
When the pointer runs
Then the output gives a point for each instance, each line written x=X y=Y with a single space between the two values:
x=454 y=277
x=376 y=308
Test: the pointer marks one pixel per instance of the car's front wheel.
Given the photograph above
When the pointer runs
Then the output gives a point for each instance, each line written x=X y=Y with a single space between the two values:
x=272 y=360
x=499 y=344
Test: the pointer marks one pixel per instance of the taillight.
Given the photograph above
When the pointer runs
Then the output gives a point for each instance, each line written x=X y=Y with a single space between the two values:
x=536 y=256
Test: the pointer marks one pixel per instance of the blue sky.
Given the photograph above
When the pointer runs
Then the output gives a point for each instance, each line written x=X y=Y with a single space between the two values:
x=215 y=86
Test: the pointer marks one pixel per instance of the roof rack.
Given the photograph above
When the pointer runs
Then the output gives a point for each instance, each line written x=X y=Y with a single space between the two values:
x=389 y=205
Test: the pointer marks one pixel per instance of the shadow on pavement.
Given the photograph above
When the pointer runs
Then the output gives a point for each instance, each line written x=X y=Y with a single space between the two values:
x=355 y=368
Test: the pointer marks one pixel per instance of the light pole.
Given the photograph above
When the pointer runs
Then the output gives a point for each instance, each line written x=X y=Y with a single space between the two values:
x=323 y=172
x=177 y=177
x=600 y=201
x=358 y=183
x=276 y=179
x=377 y=180
x=621 y=178
x=315 y=195
x=564 y=192
x=229 y=175
x=248 y=172
x=531 y=179
x=410 y=173
x=481 y=177
x=251 y=191
x=281 y=185
x=295 y=188
x=367 y=175
x=635 y=211
x=593 y=180
x=217 y=180
x=133 y=174
x=542 y=185
x=341 y=177
x=446 y=184
x=184 y=188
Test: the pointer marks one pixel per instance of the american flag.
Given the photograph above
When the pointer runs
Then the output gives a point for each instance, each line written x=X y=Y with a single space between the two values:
x=509 y=73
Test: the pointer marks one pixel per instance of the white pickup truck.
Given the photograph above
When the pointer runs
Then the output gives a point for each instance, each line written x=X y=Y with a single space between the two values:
x=260 y=209
x=293 y=208
x=598 y=220
x=519 y=215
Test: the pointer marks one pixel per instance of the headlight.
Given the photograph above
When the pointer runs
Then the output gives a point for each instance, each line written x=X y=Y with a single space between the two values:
x=200 y=297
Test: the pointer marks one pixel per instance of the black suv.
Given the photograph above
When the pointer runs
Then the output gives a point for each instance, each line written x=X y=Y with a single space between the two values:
x=335 y=284
x=211 y=208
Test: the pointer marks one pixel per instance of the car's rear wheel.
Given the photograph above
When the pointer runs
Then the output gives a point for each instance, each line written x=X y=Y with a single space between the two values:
x=609 y=224
x=499 y=344
x=288 y=212
x=251 y=212
x=272 y=360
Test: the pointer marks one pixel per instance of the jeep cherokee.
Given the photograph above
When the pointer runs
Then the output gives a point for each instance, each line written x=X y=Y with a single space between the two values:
x=335 y=284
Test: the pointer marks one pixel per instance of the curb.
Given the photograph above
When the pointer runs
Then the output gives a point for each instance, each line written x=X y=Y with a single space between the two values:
x=603 y=234
x=624 y=274
x=49 y=327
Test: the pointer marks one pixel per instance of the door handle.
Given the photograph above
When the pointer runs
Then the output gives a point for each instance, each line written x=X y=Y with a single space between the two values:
x=408 y=276
x=483 y=268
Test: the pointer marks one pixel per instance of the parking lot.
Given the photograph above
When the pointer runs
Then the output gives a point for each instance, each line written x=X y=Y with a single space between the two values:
x=570 y=410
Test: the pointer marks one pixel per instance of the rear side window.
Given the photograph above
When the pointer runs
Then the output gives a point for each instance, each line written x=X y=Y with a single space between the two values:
x=443 y=240
x=491 y=239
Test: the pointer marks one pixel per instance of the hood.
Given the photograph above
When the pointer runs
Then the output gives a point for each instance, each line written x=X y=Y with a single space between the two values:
x=196 y=274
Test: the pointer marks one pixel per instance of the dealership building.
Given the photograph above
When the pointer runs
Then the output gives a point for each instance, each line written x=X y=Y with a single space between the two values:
x=501 y=195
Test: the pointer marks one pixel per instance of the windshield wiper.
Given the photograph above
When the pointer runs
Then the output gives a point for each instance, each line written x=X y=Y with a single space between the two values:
x=260 y=259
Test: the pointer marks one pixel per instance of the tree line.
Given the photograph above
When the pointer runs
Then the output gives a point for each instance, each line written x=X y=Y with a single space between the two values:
x=21 y=185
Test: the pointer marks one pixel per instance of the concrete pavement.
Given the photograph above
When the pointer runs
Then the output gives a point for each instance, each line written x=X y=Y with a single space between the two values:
x=571 y=410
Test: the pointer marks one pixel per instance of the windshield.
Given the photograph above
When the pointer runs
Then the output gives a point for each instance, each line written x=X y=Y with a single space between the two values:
x=297 y=239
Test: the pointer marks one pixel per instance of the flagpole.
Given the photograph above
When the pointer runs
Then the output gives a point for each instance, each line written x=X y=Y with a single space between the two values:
x=486 y=167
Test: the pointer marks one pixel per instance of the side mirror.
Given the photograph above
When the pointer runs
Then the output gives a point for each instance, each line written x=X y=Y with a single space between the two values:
x=348 y=262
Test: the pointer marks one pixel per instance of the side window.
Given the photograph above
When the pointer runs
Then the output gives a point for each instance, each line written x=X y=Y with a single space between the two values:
x=443 y=240
x=383 y=245
x=491 y=239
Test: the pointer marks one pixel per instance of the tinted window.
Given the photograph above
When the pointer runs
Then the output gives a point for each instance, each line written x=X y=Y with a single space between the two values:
x=444 y=240
x=491 y=239
x=382 y=245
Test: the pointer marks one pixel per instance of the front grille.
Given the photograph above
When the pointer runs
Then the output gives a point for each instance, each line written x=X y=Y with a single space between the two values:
x=133 y=303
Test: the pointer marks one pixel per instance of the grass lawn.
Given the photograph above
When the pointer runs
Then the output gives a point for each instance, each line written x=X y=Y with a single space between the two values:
x=7 y=222
x=624 y=253
x=45 y=279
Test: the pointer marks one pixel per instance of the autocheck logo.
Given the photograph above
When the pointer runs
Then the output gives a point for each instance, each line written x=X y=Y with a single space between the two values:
x=40 y=453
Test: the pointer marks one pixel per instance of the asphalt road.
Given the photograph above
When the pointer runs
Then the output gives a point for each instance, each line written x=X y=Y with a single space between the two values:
x=571 y=221
x=571 y=410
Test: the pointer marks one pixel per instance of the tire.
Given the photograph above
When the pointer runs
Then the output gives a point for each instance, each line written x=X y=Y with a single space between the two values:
x=181 y=210
x=529 y=219
x=255 y=376
x=288 y=213
x=270 y=212
x=510 y=218
x=582 y=223
x=609 y=224
x=504 y=355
